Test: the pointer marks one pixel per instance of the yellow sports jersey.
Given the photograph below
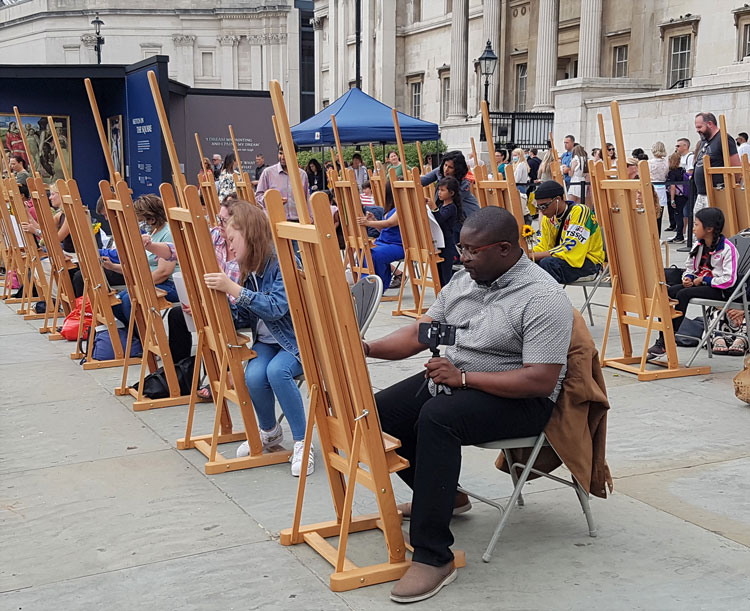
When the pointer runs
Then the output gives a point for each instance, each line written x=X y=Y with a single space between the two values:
x=581 y=237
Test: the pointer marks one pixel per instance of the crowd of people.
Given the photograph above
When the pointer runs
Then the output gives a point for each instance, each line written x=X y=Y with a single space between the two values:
x=514 y=318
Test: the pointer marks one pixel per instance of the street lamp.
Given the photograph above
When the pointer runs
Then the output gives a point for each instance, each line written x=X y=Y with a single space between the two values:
x=98 y=23
x=487 y=63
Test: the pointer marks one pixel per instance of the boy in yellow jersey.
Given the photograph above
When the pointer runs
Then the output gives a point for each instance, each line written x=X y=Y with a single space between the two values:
x=571 y=246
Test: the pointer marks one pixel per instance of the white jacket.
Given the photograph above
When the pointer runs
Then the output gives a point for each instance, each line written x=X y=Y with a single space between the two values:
x=723 y=261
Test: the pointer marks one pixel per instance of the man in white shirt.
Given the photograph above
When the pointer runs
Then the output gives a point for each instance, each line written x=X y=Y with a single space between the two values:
x=687 y=159
x=743 y=146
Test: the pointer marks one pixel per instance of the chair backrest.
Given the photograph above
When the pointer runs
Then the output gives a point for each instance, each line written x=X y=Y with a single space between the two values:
x=367 y=293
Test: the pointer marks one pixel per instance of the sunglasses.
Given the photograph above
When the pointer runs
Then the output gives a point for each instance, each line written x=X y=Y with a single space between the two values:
x=470 y=253
x=543 y=207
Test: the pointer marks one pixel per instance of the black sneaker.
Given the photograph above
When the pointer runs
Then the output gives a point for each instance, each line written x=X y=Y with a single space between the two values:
x=684 y=249
x=658 y=349
x=671 y=228
x=676 y=240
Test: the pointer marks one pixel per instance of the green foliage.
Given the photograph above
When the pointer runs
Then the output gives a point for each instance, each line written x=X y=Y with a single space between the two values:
x=412 y=158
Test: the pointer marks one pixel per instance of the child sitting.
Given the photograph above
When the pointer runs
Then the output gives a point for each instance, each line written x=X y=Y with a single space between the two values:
x=448 y=213
x=711 y=269
x=368 y=205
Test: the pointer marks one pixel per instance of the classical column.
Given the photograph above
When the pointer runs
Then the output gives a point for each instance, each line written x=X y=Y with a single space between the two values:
x=385 y=54
x=457 y=109
x=546 y=55
x=89 y=43
x=185 y=61
x=589 y=40
x=228 y=70
x=491 y=24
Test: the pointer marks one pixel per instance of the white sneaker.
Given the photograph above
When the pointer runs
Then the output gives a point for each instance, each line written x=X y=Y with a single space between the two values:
x=299 y=447
x=268 y=438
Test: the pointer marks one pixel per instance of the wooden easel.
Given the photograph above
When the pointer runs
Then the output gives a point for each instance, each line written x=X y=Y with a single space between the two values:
x=498 y=192
x=431 y=187
x=15 y=254
x=207 y=186
x=356 y=240
x=554 y=166
x=221 y=349
x=421 y=257
x=146 y=300
x=731 y=199
x=639 y=290
x=33 y=275
x=354 y=448
x=242 y=180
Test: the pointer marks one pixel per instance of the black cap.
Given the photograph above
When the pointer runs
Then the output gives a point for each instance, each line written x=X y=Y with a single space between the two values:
x=549 y=189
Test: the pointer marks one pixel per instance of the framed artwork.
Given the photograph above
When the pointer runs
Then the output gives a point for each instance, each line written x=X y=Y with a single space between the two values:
x=41 y=144
x=116 y=149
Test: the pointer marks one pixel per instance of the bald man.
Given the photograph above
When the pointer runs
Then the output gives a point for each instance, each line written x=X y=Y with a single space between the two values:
x=513 y=325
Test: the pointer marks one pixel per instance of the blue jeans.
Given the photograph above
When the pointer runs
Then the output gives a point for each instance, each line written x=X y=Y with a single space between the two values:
x=122 y=311
x=272 y=373
x=564 y=273
x=382 y=257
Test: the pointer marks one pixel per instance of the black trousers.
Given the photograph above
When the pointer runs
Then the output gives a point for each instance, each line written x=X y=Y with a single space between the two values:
x=432 y=431
x=684 y=294
x=180 y=338
x=114 y=279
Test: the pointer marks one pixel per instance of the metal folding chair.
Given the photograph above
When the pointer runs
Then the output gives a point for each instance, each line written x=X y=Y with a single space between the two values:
x=601 y=279
x=536 y=444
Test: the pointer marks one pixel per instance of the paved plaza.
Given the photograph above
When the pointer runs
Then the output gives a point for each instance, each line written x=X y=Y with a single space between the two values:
x=99 y=510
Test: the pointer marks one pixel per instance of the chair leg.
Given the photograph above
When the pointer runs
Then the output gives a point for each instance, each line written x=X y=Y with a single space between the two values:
x=584 y=500
x=514 y=497
x=587 y=304
x=513 y=474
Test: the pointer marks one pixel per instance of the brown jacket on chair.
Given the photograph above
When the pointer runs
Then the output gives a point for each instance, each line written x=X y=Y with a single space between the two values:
x=577 y=429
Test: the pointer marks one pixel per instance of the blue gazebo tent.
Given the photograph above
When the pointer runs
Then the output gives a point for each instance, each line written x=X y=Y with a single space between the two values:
x=360 y=118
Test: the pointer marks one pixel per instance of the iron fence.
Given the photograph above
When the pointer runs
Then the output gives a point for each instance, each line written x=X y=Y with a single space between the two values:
x=520 y=129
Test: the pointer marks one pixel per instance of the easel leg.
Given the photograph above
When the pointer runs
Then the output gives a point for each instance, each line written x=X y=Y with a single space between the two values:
x=219 y=408
x=123 y=389
x=194 y=389
x=314 y=398
x=649 y=328
x=349 y=497
x=609 y=320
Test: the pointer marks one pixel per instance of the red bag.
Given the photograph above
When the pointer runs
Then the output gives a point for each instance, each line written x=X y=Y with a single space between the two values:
x=70 y=325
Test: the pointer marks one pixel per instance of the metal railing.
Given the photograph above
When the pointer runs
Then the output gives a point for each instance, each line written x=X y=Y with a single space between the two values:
x=520 y=129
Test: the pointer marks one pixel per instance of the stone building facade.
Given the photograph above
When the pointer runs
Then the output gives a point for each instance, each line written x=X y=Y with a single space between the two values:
x=228 y=44
x=664 y=60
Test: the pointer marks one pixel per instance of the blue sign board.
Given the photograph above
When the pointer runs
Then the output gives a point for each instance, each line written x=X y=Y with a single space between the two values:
x=144 y=166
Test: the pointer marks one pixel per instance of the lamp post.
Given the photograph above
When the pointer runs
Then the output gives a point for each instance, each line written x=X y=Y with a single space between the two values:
x=487 y=63
x=98 y=23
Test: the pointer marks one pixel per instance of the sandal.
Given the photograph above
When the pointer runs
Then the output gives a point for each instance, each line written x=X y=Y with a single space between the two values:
x=738 y=347
x=719 y=346
x=204 y=393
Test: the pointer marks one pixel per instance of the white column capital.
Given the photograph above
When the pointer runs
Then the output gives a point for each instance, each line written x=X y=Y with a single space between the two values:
x=183 y=40
x=228 y=40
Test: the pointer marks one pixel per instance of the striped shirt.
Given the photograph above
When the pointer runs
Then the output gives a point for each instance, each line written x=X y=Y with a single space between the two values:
x=523 y=317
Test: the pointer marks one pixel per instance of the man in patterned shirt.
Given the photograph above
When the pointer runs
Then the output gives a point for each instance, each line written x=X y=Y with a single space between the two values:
x=513 y=326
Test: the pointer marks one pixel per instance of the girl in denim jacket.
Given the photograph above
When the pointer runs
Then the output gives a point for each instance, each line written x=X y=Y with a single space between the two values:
x=261 y=304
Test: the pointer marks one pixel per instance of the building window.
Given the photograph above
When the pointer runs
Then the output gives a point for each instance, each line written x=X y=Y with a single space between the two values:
x=679 y=59
x=416 y=99
x=445 y=97
x=620 y=61
x=521 y=78
x=746 y=42
x=325 y=103
x=150 y=50
x=416 y=11
x=207 y=63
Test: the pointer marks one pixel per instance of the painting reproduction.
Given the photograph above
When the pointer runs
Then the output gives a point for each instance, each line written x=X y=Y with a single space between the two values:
x=114 y=135
x=42 y=152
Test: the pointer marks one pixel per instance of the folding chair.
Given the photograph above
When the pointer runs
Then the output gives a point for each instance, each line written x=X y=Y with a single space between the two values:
x=737 y=300
x=536 y=444
x=601 y=279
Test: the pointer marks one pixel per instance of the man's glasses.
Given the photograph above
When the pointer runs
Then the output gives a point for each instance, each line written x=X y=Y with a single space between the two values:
x=543 y=207
x=470 y=253
x=221 y=220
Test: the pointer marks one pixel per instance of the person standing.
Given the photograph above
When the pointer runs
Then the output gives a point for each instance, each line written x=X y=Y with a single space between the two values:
x=576 y=170
x=395 y=163
x=216 y=162
x=708 y=130
x=260 y=165
x=534 y=163
x=658 y=167
x=687 y=158
x=277 y=177
x=567 y=157
x=225 y=185
x=316 y=177
x=743 y=146
x=677 y=197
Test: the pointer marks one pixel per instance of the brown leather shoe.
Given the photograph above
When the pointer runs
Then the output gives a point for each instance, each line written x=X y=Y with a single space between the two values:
x=421 y=581
x=461 y=504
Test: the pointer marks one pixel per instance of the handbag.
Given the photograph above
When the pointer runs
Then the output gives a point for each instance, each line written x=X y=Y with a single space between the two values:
x=742 y=382
x=155 y=384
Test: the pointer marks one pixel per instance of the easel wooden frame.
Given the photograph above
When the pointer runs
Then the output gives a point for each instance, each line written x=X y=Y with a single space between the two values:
x=207 y=186
x=498 y=192
x=354 y=448
x=731 y=199
x=421 y=257
x=356 y=240
x=32 y=275
x=15 y=262
x=242 y=180
x=555 y=167
x=146 y=300
x=639 y=290
x=221 y=350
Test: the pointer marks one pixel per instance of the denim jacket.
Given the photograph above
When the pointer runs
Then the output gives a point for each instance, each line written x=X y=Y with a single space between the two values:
x=269 y=303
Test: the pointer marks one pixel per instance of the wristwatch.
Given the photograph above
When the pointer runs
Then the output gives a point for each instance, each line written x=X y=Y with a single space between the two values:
x=463 y=379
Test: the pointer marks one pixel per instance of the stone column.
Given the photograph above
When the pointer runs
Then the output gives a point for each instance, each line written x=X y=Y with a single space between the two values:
x=228 y=69
x=589 y=41
x=89 y=43
x=386 y=70
x=491 y=24
x=457 y=109
x=185 y=61
x=546 y=55
x=317 y=24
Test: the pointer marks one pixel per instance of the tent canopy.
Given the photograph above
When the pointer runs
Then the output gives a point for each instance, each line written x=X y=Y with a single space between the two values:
x=360 y=118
